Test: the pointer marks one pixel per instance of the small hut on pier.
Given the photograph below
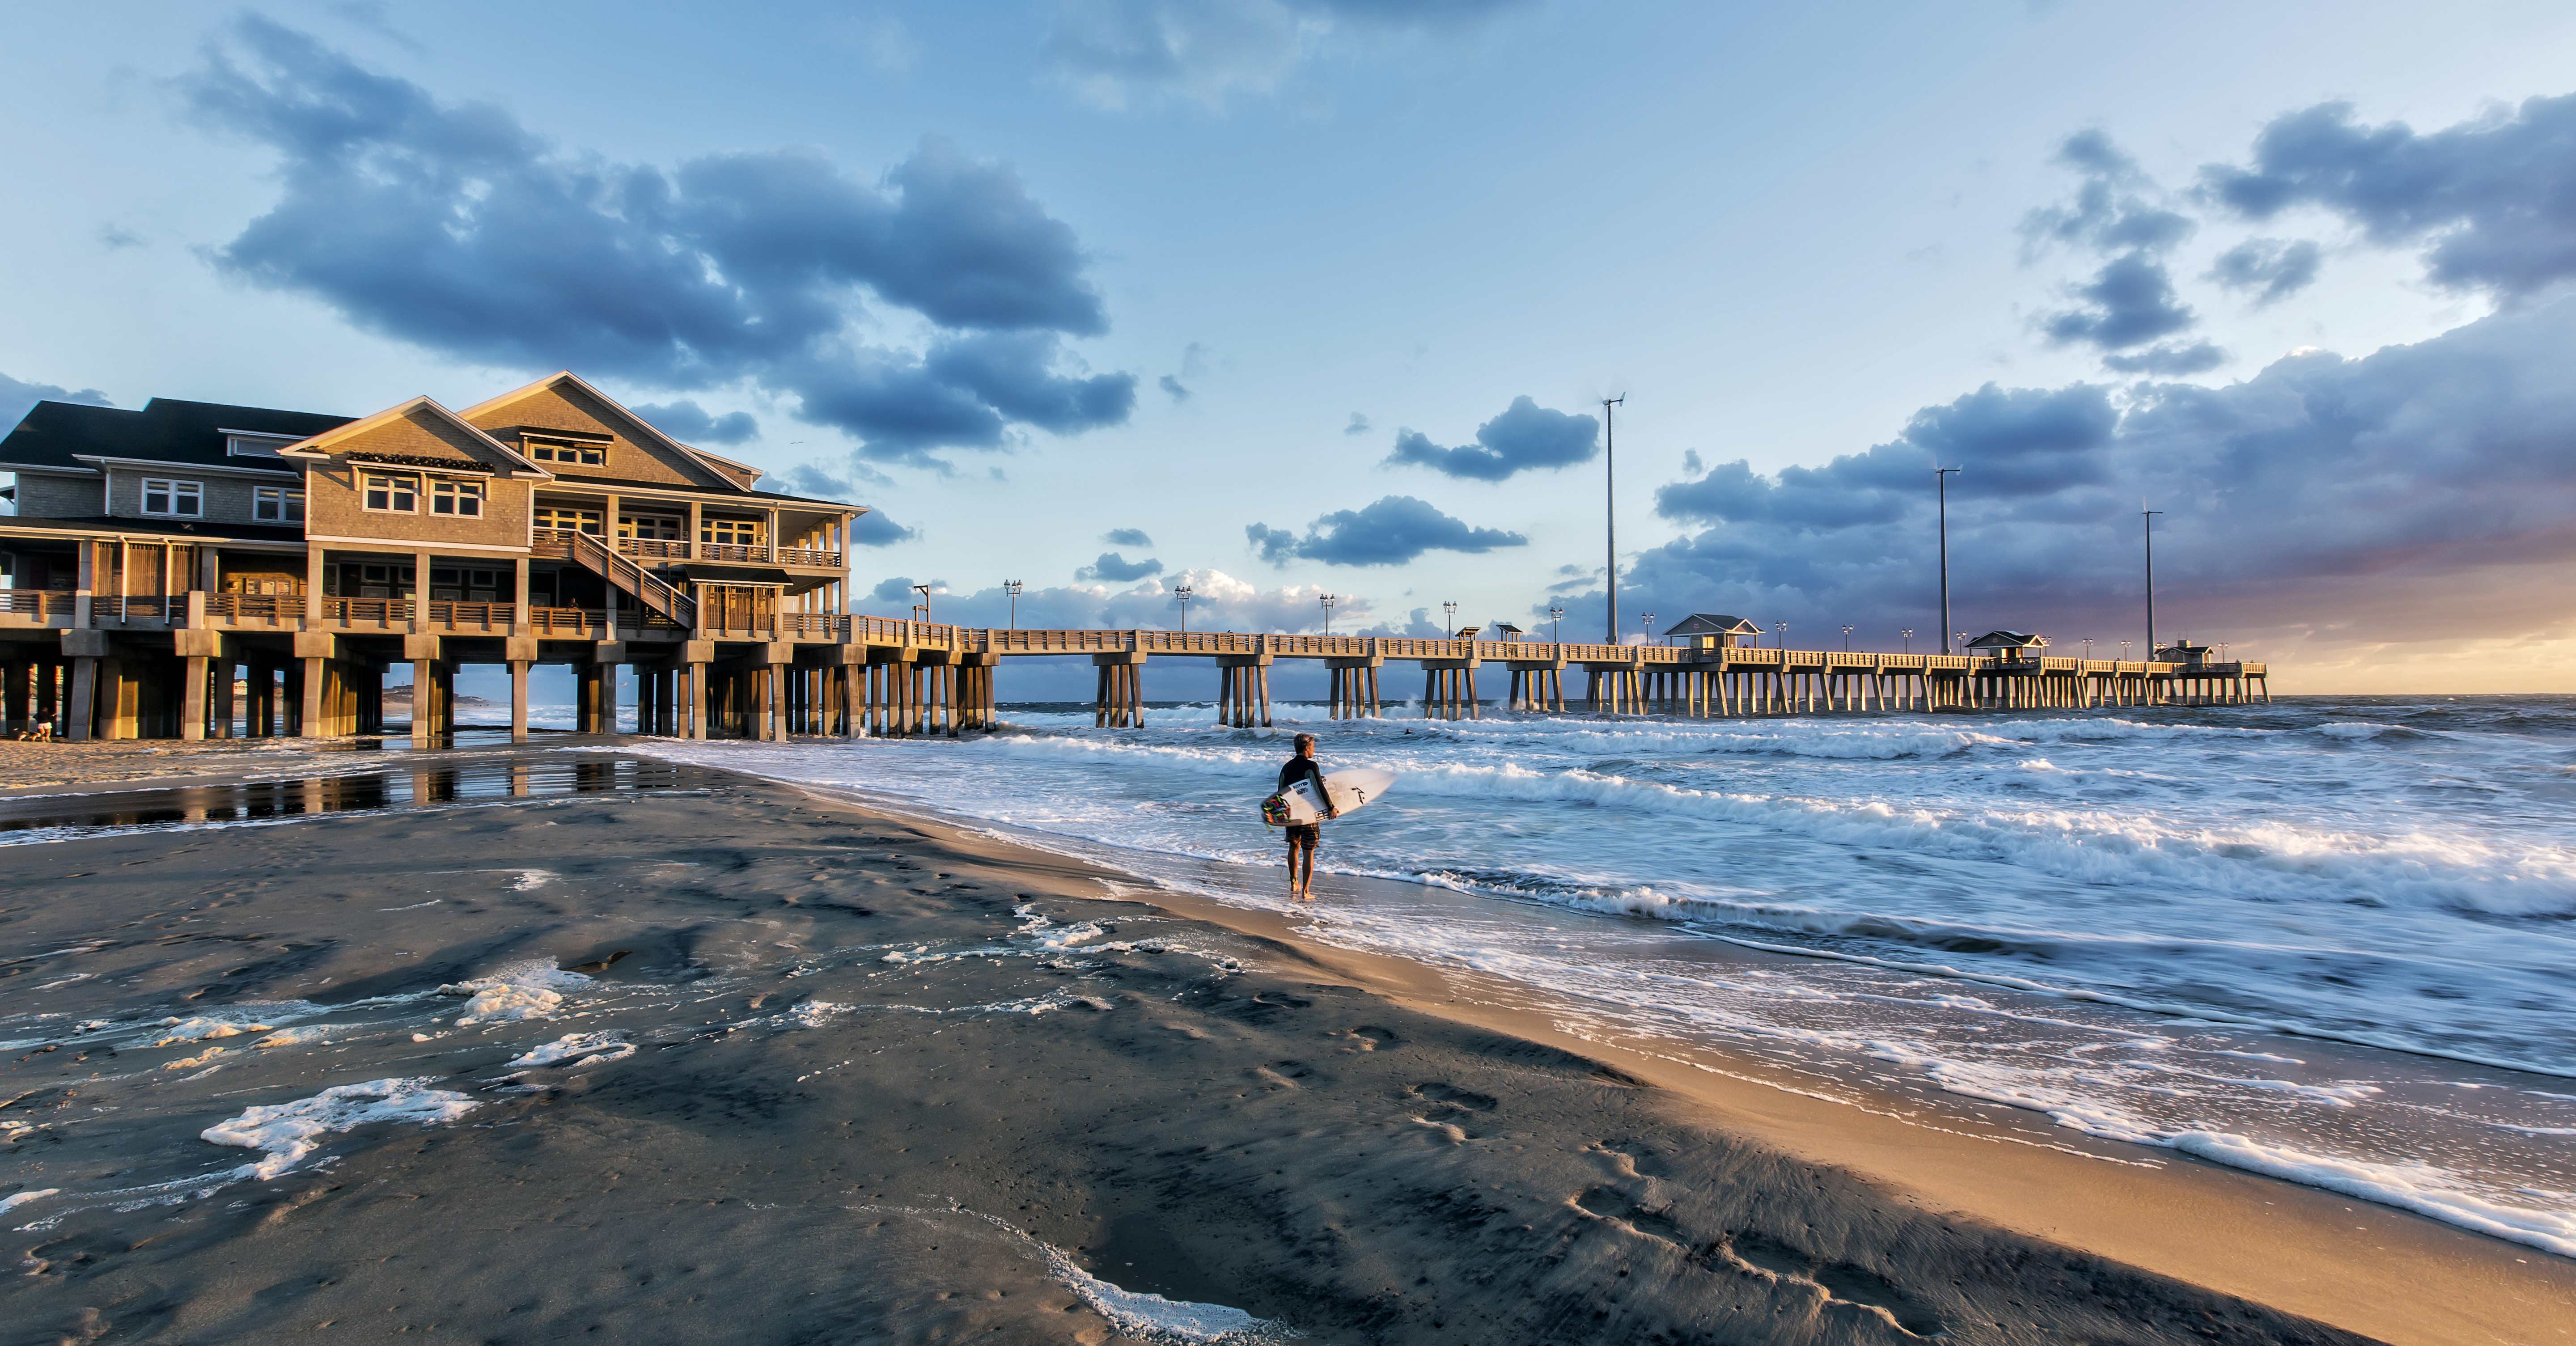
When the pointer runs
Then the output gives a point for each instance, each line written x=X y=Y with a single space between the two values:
x=1715 y=631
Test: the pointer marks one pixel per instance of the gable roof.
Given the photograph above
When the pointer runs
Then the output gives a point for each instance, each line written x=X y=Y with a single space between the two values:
x=728 y=474
x=2008 y=640
x=1712 y=624
x=319 y=446
x=58 y=434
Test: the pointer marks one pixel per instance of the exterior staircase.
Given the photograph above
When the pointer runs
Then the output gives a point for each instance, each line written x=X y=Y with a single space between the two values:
x=621 y=570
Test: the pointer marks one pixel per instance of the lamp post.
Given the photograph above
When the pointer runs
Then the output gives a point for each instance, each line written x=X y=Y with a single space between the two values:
x=1779 y=635
x=2124 y=650
x=1182 y=595
x=1449 y=611
x=1328 y=601
x=1650 y=628
x=2088 y=649
x=2149 y=516
x=1941 y=479
x=1907 y=635
x=1556 y=623
x=924 y=604
x=1610 y=492
x=1847 y=639
x=1012 y=587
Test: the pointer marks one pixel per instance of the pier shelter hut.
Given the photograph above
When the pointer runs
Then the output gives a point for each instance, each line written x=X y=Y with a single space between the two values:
x=1714 y=631
x=2012 y=675
x=193 y=570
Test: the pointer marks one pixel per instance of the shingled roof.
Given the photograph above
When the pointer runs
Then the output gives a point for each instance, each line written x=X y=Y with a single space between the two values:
x=166 y=430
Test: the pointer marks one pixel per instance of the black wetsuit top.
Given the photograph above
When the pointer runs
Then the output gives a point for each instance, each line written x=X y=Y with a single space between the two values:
x=1304 y=768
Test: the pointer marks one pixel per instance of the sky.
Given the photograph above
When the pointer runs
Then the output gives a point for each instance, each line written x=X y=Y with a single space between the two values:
x=1287 y=298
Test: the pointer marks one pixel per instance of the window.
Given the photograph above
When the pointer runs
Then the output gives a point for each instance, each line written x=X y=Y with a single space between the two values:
x=586 y=455
x=568 y=518
x=174 y=499
x=277 y=504
x=651 y=527
x=392 y=493
x=252 y=444
x=730 y=532
x=456 y=497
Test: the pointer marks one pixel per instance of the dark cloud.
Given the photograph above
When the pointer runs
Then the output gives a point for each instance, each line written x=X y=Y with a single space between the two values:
x=1117 y=569
x=2129 y=302
x=2340 y=501
x=1525 y=436
x=1359 y=425
x=1173 y=386
x=689 y=423
x=2493 y=200
x=878 y=529
x=2274 y=269
x=451 y=227
x=1119 y=51
x=2111 y=212
x=1127 y=537
x=897 y=589
x=2171 y=360
x=16 y=397
x=1393 y=530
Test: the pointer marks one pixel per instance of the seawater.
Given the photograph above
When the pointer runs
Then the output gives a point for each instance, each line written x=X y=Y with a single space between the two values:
x=2326 y=939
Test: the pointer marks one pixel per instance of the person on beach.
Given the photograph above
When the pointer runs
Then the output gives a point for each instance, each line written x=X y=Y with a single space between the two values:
x=1302 y=837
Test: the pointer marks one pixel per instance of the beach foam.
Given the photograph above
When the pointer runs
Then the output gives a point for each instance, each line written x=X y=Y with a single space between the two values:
x=289 y=1132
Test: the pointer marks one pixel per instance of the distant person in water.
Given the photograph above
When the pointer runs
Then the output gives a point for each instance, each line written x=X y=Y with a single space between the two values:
x=1302 y=837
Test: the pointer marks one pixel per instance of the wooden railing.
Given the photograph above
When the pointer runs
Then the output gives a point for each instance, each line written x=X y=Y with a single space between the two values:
x=620 y=570
x=37 y=603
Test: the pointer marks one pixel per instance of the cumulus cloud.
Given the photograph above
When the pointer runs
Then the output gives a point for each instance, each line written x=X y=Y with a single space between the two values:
x=1115 y=53
x=2272 y=268
x=1391 y=531
x=454 y=228
x=1525 y=436
x=2347 y=500
x=1127 y=537
x=1118 y=569
x=878 y=529
x=17 y=396
x=1174 y=387
x=1359 y=425
x=1218 y=602
x=2492 y=200
x=689 y=423
x=2112 y=210
x=2130 y=301
x=2171 y=360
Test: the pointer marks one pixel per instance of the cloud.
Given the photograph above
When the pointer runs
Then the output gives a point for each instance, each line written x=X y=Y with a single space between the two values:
x=1525 y=436
x=877 y=529
x=1417 y=626
x=1218 y=602
x=116 y=238
x=1359 y=425
x=2111 y=212
x=2274 y=269
x=1118 y=569
x=1127 y=537
x=1114 y=53
x=2493 y=200
x=2129 y=302
x=1393 y=530
x=686 y=421
x=1173 y=386
x=2344 y=501
x=17 y=397
x=455 y=229
x=2171 y=360
x=898 y=589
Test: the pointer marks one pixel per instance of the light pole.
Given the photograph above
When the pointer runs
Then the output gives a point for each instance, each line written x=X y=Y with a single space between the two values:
x=1012 y=587
x=2149 y=515
x=1650 y=628
x=2124 y=650
x=924 y=604
x=1182 y=594
x=1449 y=611
x=1908 y=636
x=2088 y=649
x=1847 y=639
x=1941 y=480
x=1610 y=492
x=1779 y=635
x=1328 y=601
x=1556 y=623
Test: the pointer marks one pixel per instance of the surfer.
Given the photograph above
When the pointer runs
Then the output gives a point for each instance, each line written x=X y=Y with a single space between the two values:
x=1302 y=837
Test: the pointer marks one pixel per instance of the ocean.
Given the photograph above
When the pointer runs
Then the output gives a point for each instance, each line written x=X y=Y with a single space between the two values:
x=2326 y=939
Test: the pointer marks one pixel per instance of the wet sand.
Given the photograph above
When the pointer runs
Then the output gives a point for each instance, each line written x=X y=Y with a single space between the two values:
x=817 y=1074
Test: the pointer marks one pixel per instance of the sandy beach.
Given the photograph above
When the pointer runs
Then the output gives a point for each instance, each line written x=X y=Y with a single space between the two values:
x=684 y=1055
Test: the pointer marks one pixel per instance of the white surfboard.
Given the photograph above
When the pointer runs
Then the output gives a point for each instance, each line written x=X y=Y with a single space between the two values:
x=1350 y=790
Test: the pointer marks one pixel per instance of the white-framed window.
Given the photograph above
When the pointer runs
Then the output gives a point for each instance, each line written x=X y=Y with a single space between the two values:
x=391 y=492
x=456 y=497
x=174 y=499
x=569 y=518
x=252 y=444
x=651 y=527
x=730 y=532
x=277 y=504
x=581 y=455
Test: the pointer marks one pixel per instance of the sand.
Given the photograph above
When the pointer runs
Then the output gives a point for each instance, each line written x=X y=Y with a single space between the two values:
x=750 y=1065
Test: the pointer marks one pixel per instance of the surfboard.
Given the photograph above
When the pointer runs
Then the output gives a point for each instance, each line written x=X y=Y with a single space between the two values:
x=1350 y=790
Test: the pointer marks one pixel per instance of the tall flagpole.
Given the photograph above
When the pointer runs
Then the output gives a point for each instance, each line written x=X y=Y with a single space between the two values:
x=1610 y=487
x=2149 y=515
x=1941 y=477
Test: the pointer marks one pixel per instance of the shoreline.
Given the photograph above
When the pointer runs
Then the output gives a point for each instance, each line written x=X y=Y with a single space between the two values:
x=2293 y=1248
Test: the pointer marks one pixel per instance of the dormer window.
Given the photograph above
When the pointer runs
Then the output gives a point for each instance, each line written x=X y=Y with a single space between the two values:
x=255 y=444
x=568 y=452
x=166 y=499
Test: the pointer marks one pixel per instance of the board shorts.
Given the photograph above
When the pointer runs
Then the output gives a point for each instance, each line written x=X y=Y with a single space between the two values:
x=1304 y=834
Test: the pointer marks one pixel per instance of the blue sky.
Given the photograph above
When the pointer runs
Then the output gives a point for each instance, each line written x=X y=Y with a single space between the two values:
x=1310 y=295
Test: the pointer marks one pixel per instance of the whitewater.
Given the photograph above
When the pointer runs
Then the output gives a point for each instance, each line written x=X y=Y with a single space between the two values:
x=2326 y=939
